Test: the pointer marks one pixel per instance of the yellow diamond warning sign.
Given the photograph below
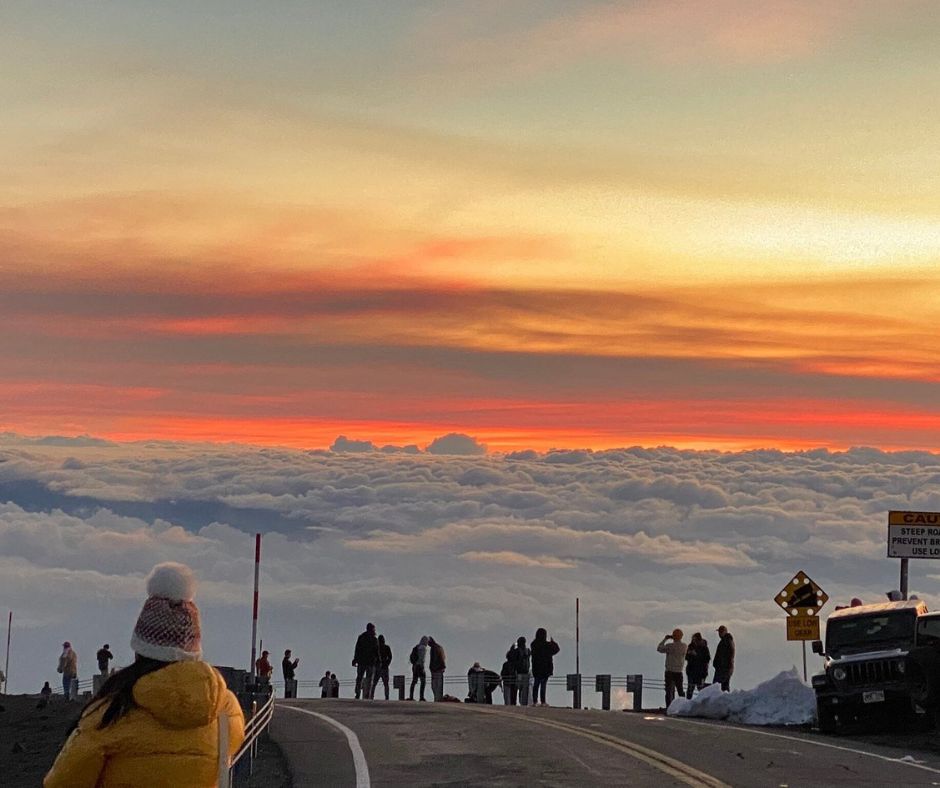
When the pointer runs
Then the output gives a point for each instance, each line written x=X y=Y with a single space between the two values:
x=801 y=596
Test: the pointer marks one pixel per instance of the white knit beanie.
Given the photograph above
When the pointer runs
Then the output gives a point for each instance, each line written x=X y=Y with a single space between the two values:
x=168 y=627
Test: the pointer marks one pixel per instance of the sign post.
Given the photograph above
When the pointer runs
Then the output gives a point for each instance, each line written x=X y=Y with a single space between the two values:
x=6 y=668
x=802 y=600
x=912 y=535
x=577 y=635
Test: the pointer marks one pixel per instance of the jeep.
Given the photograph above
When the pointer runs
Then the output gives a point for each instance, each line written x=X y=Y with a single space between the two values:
x=867 y=663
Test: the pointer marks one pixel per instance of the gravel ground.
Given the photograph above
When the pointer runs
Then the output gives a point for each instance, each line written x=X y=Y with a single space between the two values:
x=30 y=738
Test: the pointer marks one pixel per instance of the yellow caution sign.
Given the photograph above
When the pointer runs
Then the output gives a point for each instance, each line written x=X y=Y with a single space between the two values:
x=801 y=596
x=803 y=628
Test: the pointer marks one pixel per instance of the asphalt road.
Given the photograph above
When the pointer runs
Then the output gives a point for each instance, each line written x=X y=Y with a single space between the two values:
x=353 y=743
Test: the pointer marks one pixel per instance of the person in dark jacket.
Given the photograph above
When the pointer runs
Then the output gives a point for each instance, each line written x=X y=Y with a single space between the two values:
x=381 y=670
x=289 y=666
x=365 y=661
x=417 y=659
x=326 y=686
x=104 y=656
x=334 y=686
x=543 y=665
x=508 y=675
x=724 y=659
x=437 y=664
x=697 y=659
x=521 y=658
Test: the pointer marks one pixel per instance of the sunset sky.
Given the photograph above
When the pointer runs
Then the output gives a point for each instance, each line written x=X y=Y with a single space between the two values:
x=543 y=224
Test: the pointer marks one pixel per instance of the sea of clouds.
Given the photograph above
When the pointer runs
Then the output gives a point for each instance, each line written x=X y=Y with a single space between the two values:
x=471 y=548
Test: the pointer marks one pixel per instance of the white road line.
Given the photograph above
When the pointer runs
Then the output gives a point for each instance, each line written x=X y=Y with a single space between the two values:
x=358 y=756
x=801 y=740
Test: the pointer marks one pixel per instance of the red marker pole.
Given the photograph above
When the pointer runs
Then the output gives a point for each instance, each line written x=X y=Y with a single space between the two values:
x=254 y=609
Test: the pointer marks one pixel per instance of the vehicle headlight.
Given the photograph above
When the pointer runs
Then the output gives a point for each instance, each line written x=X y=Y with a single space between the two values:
x=838 y=674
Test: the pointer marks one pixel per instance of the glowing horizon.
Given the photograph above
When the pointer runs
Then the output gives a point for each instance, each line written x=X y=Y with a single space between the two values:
x=699 y=224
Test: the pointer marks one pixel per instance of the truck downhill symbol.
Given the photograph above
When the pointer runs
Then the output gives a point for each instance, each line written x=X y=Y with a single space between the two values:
x=804 y=596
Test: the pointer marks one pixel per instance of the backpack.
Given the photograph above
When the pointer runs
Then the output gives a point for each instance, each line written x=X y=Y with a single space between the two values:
x=414 y=656
x=522 y=660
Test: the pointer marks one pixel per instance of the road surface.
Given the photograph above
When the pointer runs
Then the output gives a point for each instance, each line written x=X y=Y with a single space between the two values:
x=362 y=744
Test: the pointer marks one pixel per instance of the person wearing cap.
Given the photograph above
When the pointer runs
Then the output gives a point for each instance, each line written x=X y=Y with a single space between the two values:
x=68 y=667
x=160 y=721
x=724 y=659
x=263 y=668
x=674 y=649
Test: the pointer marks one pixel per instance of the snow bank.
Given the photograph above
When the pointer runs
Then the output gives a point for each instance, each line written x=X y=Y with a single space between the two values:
x=783 y=700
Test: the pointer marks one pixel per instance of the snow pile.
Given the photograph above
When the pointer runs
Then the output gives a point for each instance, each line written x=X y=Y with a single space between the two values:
x=783 y=700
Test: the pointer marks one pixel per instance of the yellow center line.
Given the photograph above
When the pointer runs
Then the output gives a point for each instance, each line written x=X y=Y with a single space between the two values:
x=670 y=766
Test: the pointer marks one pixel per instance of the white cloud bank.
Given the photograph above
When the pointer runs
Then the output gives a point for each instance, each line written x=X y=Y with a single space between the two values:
x=473 y=549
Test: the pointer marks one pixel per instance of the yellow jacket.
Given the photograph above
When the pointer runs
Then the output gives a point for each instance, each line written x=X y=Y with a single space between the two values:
x=170 y=740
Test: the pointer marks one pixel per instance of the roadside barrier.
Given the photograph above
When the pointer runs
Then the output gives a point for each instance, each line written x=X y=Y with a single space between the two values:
x=577 y=684
x=79 y=688
x=242 y=762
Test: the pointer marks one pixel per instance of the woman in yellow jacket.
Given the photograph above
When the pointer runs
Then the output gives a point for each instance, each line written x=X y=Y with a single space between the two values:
x=155 y=723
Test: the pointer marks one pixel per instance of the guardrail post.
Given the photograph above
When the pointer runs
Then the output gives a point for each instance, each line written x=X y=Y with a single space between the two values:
x=574 y=686
x=398 y=682
x=635 y=687
x=602 y=685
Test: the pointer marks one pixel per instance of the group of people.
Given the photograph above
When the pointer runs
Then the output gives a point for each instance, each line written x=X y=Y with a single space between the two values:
x=427 y=651
x=694 y=657
x=329 y=685
x=68 y=667
x=373 y=656
x=371 y=659
x=522 y=662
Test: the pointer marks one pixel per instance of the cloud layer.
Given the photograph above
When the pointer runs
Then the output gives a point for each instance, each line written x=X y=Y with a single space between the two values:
x=474 y=549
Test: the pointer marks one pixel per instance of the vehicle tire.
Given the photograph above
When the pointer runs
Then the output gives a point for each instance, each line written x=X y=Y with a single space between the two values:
x=923 y=678
x=826 y=720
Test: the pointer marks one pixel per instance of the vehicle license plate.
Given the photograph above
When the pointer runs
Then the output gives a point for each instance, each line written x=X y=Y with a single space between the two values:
x=875 y=696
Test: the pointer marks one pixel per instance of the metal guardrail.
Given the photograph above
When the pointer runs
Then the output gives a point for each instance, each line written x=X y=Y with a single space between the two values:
x=254 y=727
x=605 y=684
x=84 y=685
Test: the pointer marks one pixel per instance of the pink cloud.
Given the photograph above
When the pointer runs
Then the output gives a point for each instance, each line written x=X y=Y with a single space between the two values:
x=664 y=31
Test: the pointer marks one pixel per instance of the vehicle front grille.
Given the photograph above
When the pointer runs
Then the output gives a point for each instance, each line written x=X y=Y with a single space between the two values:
x=875 y=672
